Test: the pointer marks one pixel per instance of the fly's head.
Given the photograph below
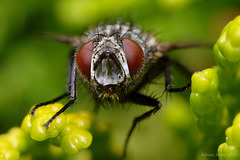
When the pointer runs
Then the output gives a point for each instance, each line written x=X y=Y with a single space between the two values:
x=110 y=65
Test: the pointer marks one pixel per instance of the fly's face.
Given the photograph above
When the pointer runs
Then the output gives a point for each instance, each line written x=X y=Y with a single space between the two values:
x=110 y=65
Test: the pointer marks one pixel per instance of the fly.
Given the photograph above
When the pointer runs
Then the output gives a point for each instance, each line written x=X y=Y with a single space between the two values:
x=115 y=61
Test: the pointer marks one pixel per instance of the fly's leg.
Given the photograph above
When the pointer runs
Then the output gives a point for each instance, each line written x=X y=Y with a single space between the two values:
x=168 y=86
x=142 y=100
x=148 y=101
x=63 y=95
x=72 y=89
x=71 y=102
x=163 y=49
x=48 y=102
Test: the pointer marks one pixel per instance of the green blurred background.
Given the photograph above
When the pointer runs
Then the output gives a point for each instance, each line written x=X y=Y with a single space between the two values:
x=33 y=69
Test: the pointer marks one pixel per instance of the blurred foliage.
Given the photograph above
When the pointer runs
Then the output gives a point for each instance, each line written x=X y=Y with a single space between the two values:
x=33 y=69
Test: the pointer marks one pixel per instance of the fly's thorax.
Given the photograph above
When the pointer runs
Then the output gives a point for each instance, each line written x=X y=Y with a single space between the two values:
x=113 y=61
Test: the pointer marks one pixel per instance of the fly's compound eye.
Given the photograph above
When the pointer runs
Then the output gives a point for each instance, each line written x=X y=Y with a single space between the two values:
x=83 y=59
x=134 y=55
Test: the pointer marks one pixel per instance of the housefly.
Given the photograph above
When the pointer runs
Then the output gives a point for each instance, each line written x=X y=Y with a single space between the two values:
x=114 y=62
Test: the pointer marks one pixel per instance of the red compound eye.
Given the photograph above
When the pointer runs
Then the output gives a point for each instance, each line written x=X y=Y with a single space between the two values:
x=134 y=55
x=83 y=59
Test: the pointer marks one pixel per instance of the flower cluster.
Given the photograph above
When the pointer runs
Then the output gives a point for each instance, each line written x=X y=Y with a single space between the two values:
x=227 y=49
x=205 y=100
x=69 y=131
x=227 y=55
x=230 y=149
x=75 y=136
x=34 y=124
x=215 y=94
x=13 y=143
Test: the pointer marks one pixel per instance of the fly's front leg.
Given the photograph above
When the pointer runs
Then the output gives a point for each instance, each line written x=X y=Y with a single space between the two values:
x=142 y=100
x=71 y=93
x=70 y=67
x=48 y=102
x=72 y=90
x=168 y=85
x=159 y=53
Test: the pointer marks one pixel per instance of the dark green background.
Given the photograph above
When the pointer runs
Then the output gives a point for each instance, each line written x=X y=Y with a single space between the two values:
x=33 y=70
